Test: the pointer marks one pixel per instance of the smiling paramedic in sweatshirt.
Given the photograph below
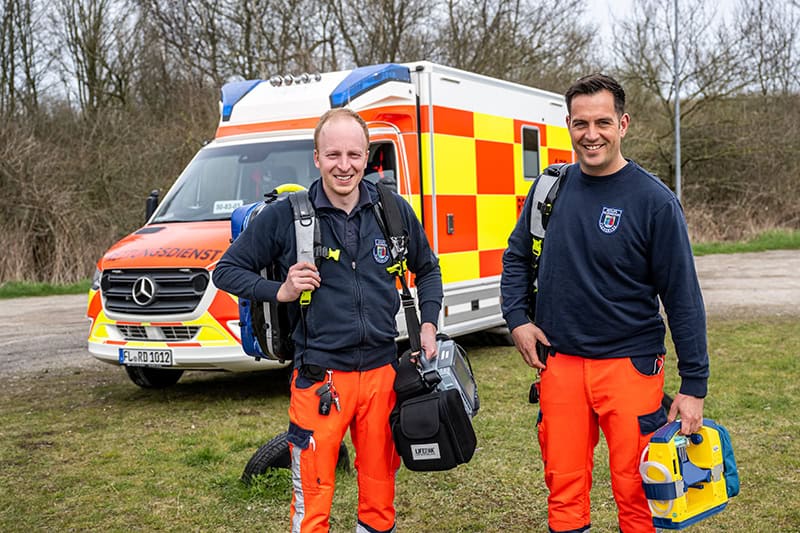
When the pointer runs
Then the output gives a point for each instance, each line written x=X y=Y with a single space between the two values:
x=345 y=347
x=615 y=243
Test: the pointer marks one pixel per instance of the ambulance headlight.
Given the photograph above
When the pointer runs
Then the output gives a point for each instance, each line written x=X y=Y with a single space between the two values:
x=96 y=279
x=276 y=81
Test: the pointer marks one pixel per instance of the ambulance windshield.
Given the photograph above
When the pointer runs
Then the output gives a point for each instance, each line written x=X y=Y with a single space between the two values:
x=220 y=179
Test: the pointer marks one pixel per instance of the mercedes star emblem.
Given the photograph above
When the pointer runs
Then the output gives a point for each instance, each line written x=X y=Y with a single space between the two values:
x=144 y=291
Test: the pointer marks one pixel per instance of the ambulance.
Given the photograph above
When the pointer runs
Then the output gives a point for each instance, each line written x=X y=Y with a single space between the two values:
x=462 y=148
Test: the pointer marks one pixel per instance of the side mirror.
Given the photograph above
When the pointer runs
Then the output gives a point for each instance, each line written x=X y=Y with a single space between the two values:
x=151 y=204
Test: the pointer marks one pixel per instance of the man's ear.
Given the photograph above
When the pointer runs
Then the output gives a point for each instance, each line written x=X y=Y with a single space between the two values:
x=316 y=158
x=624 y=122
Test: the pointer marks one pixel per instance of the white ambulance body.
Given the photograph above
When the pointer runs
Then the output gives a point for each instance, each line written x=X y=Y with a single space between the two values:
x=462 y=148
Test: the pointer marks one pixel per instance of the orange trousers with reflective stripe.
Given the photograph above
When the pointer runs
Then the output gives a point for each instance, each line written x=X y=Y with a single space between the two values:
x=366 y=400
x=578 y=397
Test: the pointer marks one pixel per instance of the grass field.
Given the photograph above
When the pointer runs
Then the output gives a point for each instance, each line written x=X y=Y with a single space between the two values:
x=88 y=451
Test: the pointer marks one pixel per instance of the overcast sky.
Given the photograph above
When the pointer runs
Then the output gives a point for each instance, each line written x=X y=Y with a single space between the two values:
x=600 y=11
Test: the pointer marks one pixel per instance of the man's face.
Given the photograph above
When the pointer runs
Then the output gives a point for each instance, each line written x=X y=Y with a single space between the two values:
x=341 y=156
x=597 y=133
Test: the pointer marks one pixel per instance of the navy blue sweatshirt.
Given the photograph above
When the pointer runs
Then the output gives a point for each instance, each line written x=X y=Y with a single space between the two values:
x=614 y=245
x=351 y=319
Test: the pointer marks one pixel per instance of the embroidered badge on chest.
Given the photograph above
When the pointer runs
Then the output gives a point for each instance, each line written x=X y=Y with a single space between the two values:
x=609 y=219
x=380 y=251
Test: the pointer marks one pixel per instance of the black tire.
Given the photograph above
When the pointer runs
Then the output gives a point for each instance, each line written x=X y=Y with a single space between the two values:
x=275 y=454
x=500 y=339
x=153 y=378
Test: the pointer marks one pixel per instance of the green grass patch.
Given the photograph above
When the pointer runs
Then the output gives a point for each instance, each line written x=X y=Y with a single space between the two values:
x=770 y=240
x=89 y=451
x=17 y=289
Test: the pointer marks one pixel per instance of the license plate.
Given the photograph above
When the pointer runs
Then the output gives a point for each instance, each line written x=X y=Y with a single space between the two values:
x=145 y=357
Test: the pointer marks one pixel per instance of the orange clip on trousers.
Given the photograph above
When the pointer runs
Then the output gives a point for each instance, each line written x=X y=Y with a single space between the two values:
x=366 y=400
x=578 y=397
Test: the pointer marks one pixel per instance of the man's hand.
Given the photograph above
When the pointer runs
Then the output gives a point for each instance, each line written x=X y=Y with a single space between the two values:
x=427 y=338
x=301 y=277
x=525 y=337
x=690 y=410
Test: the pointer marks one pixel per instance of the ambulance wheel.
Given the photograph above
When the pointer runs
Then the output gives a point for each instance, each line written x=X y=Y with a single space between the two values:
x=499 y=336
x=275 y=454
x=153 y=378
x=502 y=339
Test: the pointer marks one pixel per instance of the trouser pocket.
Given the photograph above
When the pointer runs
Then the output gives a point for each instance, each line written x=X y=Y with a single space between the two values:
x=304 y=464
x=541 y=435
x=648 y=365
x=650 y=422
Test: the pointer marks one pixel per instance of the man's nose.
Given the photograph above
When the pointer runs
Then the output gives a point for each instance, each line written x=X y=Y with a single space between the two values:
x=592 y=132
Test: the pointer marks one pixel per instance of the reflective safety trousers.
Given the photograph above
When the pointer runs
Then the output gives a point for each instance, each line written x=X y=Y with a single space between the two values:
x=366 y=399
x=579 y=396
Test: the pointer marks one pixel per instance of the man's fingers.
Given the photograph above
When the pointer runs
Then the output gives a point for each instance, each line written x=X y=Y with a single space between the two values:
x=532 y=360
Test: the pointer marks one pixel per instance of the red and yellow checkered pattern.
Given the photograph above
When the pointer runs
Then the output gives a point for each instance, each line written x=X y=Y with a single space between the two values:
x=485 y=209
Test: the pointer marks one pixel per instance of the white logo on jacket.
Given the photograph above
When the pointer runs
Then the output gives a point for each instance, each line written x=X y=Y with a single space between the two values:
x=380 y=252
x=609 y=219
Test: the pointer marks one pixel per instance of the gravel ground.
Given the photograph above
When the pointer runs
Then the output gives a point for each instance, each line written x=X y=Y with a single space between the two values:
x=47 y=334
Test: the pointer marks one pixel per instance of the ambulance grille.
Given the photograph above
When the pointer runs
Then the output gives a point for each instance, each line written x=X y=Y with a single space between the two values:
x=153 y=292
x=157 y=333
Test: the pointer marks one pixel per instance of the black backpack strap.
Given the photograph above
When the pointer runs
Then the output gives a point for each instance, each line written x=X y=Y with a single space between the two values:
x=545 y=192
x=393 y=227
x=387 y=213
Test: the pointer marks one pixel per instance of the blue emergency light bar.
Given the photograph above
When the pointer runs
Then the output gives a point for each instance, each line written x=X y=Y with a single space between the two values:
x=364 y=79
x=233 y=92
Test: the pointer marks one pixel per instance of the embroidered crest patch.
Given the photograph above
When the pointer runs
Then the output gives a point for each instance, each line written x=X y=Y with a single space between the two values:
x=609 y=219
x=380 y=252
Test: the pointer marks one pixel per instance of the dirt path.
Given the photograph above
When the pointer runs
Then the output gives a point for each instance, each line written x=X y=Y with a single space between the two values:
x=49 y=333
x=753 y=284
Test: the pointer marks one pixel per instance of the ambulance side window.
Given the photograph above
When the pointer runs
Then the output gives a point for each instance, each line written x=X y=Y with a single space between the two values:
x=530 y=152
x=382 y=163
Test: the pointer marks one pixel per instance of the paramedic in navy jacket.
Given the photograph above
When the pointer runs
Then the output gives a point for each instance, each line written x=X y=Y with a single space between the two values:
x=346 y=344
x=616 y=242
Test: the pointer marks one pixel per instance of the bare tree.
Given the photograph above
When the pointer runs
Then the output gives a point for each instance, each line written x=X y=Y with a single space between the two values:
x=98 y=53
x=383 y=31
x=768 y=29
x=22 y=59
x=709 y=70
x=278 y=36
x=543 y=43
x=192 y=35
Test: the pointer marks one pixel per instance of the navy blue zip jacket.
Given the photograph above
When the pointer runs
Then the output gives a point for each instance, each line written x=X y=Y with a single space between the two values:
x=614 y=245
x=351 y=319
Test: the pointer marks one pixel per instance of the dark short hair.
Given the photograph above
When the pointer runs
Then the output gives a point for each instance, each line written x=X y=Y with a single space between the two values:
x=594 y=83
x=340 y=112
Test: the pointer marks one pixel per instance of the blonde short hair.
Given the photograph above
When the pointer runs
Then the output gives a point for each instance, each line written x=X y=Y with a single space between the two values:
x=336 y=113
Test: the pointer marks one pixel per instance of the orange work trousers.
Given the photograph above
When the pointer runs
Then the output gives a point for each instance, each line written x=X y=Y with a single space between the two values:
x=578 y=397
x=366 y=400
